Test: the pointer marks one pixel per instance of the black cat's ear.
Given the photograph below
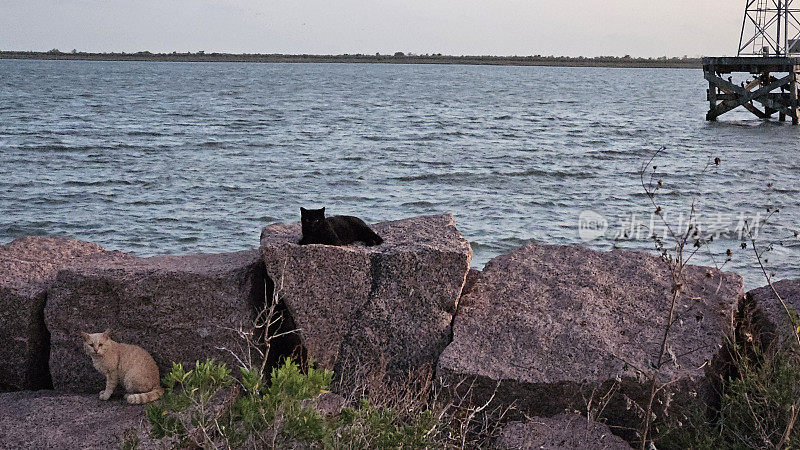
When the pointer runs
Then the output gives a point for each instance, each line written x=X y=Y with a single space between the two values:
x=302 y=210
x=323 y=210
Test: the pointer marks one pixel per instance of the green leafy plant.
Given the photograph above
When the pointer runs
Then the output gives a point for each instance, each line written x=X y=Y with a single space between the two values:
x=760 y=407
x=185 y=411
x=278 y=412
x=277 y=409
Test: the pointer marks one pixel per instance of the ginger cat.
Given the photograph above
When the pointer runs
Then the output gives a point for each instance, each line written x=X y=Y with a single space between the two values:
x=130 y=364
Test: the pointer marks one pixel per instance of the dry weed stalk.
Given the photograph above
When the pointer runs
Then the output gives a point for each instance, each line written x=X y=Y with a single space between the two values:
x=460 y=423
x=792 y=320
x=257 y=338
x=471 y=426
x=676 y=258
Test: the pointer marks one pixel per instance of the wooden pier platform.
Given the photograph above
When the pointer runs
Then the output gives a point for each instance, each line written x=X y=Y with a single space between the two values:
x=774 y=86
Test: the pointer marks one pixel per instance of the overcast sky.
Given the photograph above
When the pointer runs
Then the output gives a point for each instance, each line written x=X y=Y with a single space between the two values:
x=468 y=27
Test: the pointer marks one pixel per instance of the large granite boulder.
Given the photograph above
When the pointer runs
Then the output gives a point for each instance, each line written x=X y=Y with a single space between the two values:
x=766 y=314
x=27 y=267
x=561 y=432
x=45 y=419
x=179 y=308
x=765 y=319
x=363 y=308
x=554 y=328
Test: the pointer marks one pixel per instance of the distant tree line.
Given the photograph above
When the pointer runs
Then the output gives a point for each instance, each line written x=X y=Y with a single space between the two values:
x=397 y=57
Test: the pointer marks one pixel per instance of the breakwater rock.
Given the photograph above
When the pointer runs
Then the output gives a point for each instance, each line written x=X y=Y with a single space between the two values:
x=767 y=316
x=545 y=329
x=179 y=308
x=28 y=266
x=561 y=432
x=359 y=308
x=555 y=328
x=47 y=419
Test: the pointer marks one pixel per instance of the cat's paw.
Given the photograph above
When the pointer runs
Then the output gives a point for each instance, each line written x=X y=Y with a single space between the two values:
x=105 y=395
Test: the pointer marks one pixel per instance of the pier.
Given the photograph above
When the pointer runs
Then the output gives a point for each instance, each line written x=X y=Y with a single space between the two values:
x=769 y=56
x=773 y=86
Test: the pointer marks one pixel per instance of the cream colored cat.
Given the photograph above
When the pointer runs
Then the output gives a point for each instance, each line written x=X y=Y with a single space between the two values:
x=130 y=364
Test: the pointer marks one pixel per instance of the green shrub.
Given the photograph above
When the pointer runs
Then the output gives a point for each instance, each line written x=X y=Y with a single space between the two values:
x=186 y=401
x=757 y=407
x=262 y=404
x=277 y=412
x=369 y=426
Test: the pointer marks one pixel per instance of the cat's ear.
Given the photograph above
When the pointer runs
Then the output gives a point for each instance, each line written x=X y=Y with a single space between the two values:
x=303 y=210
x=323 y=210
x=106 y=333
x=85 y=336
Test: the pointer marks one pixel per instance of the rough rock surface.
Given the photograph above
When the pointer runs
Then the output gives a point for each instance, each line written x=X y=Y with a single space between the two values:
x=472 y=278
x=556 y=325
x=45 y=419
x=176 y=307
x=562 y=432
x=358 y=307
x=772 y=321
x=27 y=267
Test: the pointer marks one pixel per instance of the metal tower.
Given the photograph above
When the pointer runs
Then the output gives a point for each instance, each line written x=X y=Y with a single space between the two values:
x=770 y=28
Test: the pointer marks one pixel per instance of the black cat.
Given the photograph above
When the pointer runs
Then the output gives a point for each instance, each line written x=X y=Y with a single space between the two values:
x=336 y=230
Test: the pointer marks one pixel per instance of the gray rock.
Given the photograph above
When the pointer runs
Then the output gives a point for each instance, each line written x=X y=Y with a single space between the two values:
x=27 y=267
x=770 y=319
x=175 y=307
x=45 y=419
x=555 y=326
x=359 y=308
x=562 y=432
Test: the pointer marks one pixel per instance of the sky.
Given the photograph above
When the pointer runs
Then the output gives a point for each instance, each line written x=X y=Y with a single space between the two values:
x=455 y=27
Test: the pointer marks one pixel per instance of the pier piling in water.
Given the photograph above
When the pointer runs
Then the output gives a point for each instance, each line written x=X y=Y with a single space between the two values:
x=774 y=86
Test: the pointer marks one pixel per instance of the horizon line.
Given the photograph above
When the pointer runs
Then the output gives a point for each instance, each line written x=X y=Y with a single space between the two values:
x=56 y=51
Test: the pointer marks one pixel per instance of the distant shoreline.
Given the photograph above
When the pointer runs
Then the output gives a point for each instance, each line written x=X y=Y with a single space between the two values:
x=558 y=61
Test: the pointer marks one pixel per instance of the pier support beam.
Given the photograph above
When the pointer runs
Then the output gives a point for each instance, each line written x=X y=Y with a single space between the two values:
x=776 y=94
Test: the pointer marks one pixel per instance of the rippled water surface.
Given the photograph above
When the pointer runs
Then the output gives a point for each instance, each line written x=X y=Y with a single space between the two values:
x=188 y=157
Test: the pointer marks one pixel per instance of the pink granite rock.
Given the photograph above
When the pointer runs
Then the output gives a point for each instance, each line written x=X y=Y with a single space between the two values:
x=360 y=306
x=48 y=420
x=562 y=432
x=176 y=307
x=27 y=267
x=772 y=321
x=472 y=278
x=556 y=325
